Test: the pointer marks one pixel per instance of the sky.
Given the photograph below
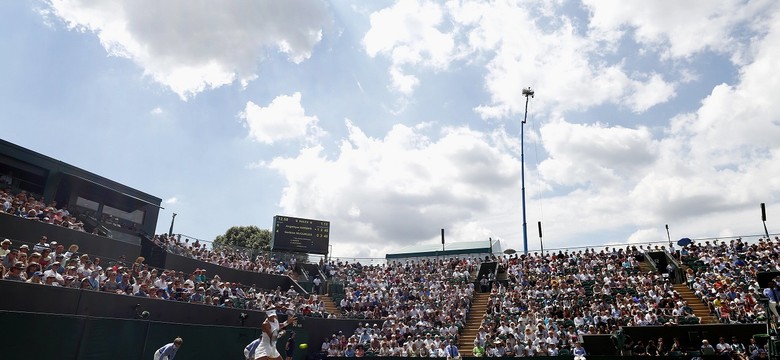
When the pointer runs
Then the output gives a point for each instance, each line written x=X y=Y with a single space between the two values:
x=395 y=119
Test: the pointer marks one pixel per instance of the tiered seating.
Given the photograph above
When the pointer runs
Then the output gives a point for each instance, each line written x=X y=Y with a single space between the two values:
x=722 y=275
x=231 y=257
x=423 y=304
x=540 y=305
x=79 y=270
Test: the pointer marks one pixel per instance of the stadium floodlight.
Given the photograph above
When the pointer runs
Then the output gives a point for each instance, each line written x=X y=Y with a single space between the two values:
x=528 y=93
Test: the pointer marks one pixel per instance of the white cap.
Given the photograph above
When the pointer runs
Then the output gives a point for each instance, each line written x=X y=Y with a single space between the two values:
x=271 y=312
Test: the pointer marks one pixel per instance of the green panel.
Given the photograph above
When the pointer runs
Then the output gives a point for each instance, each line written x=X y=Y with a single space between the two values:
x=35 y=336
x=200 y=342
x=336 y=289
x=113 y=339
x=79 y=337
x=301 y=337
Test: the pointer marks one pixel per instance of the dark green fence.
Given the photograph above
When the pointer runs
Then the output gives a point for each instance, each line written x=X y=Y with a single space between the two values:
x=50 y=336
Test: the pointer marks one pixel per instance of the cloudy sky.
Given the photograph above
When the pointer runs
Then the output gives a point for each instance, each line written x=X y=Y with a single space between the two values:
x=394 y=119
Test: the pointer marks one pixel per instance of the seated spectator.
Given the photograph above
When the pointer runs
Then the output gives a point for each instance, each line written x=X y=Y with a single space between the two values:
x=41 y=244
x=579 y=352
x=110 y=284
x=738 y=349
x=35 y=278
x=5 y=247
x=11 y=258
x=16 y=272
x=142 y=291
x=706 y=348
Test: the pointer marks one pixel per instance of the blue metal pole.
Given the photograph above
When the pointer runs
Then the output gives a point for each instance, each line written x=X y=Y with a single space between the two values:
x=527 y=93
x=522 y=175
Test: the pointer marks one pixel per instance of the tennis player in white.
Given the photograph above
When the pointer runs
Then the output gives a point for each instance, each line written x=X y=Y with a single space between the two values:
x=271 y=331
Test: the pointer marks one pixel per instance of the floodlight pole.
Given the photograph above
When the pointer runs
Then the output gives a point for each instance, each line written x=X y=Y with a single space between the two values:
x=669 y=237
x=170 y=231
x=541 y=242
x=527 y=93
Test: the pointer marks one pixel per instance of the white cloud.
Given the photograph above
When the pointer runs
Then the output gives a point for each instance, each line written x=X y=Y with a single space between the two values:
x=408 y=33
x=156 y=111
x=405 y=84
x=704 y=173
x=549 y=52
x=402 y=188
x=283 y=119
x=679 y=29
x=725 y=155
x=594 y=154
x=193 y=46
x=705 y=177
x=171 y=200
x=567 y=68
x=417 y=39
x=645 y=95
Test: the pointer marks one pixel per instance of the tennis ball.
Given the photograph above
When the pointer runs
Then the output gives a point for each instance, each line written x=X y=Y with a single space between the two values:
x=303 y=346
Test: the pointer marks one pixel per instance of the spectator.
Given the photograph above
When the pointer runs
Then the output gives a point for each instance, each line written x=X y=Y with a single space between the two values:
x=316 y=283
x=11 y=258
x=31 y=269
x=478 y=350
x=759 y=354
x=168 y=351
x=651 y=349
x=5 y=247
x=662 y=350
x=677 y=347
x=35 y=278
x=41 y=245
x=142 y=291
x=738 y=350
x=579 y=352
x=706 y=348
x=110 y=284
x=72 y=249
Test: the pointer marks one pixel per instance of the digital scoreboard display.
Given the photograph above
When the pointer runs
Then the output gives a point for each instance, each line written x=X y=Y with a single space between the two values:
x=300 y=235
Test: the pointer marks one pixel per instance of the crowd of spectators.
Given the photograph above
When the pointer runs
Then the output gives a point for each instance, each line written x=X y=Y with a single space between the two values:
x=538 y=305
x=548 y=302
x=723 y=275
x=371 y=341
x=227 y=256
x=25 y=205
x=411 y=303
x=49 y=263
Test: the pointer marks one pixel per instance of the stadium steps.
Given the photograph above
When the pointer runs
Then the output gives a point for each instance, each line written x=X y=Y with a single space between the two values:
x=700 y=310
x=645 y=267
x=474 y=320
x=330 y=305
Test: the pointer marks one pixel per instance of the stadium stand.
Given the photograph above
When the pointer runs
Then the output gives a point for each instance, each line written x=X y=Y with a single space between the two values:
x=536 y=305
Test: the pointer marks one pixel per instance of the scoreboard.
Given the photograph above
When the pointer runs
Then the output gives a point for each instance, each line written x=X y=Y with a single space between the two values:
x=300 y=235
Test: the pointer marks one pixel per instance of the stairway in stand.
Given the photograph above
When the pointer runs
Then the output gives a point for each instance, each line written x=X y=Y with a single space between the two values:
x=700 y=309
x=645 y=267
x=330 y=305
x=473 y=321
